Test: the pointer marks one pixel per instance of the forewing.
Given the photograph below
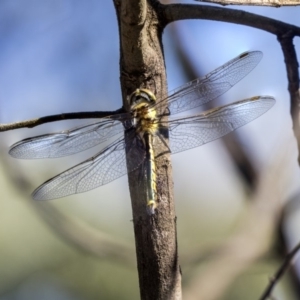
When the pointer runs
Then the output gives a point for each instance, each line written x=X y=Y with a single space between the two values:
x=214 y=84
x=187 y=133
x=106 y=166
x=66 y=142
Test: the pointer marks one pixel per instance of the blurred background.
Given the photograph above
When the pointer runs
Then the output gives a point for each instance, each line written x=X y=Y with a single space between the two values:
x=62 y=56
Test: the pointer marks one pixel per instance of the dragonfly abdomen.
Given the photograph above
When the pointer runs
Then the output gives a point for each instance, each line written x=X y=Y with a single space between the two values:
x=142 y=101
x=150 y=174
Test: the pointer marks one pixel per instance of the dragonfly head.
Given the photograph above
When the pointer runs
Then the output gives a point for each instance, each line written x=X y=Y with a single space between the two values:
x=141 y=98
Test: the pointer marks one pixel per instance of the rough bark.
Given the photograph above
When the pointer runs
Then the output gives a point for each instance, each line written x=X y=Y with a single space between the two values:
x=142 y=66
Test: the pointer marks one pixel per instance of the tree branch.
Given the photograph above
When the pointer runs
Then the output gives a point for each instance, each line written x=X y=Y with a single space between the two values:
x=273 y=3
x=292 y=68
x=176 y=12
x=281 y=271
x=60 y=117
x=142 y=65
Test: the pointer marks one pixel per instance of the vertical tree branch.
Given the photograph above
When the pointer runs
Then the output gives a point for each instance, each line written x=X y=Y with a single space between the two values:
x=142 y=66
x=291 y=62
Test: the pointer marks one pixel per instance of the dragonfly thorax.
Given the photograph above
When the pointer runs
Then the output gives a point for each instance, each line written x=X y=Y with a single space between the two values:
x=142 y=107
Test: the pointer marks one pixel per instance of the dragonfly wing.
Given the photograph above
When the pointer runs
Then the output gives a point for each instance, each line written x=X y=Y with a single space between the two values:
x=214 y=84
x=101 y=169
x=66 y=142
x=190 y=132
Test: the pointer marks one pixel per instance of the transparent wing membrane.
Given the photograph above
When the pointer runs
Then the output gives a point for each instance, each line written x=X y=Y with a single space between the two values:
x=106 y=166
x=211 y=86
x=66 y=142
x=127 y=153
x=191 y=132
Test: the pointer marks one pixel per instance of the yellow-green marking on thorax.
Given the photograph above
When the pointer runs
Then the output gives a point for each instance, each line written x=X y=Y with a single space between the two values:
x=145 y=120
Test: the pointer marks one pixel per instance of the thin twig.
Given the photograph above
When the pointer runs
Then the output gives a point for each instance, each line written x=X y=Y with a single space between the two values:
x=281 y=271
x=273 y=3
x=59 y=117
x=176 y=12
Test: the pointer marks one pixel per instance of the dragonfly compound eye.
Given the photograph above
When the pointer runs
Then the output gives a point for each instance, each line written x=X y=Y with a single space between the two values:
x=142 y=96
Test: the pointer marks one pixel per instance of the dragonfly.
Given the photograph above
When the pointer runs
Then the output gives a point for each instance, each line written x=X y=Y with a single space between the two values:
x=134 y=132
